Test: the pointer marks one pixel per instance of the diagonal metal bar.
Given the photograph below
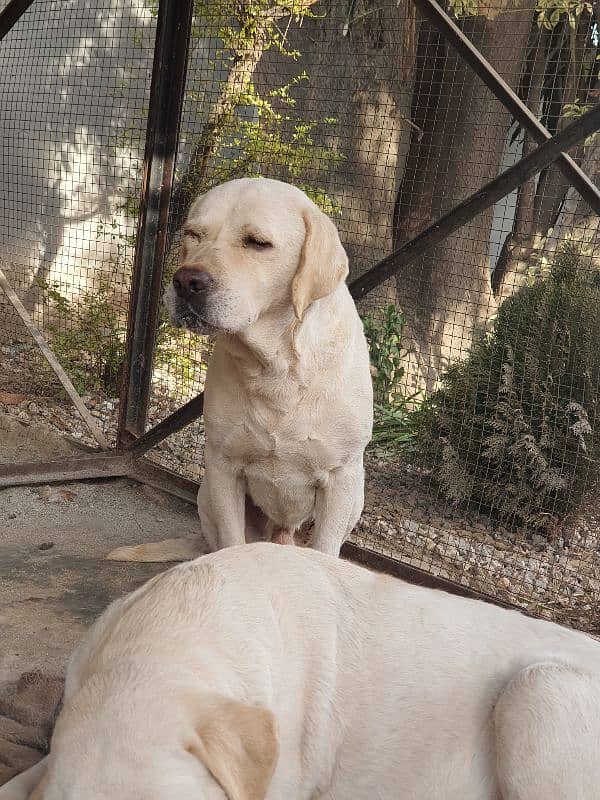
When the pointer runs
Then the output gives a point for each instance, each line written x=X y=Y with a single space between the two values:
x=54 y=363
x=501 y=186
x=462 y=44
x=12 y=14
x=183 y=416
x=489 y=194
x=378 y=562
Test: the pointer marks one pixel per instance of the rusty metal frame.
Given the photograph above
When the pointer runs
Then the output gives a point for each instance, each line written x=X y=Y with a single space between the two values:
x=169 y=71
x=166 y=102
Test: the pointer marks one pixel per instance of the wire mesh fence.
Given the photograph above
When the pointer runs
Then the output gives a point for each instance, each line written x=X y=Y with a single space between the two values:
x=74 y=92
x=483 y=467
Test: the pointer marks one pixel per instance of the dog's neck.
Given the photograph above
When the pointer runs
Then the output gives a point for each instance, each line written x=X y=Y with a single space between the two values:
x=267 y=346
x=278 y=344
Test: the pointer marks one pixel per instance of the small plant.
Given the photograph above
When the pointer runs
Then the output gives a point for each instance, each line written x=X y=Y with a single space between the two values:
x=464 y=8
x=393 y=419
x=88 y=337
x=176 y=351
x=384 y=335
x=88 y=334
x=251 y=130
x=260 y=138
x=514 y=429
x=549 y=12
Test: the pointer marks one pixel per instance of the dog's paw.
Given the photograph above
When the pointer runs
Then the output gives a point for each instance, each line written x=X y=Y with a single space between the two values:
x=158 y=552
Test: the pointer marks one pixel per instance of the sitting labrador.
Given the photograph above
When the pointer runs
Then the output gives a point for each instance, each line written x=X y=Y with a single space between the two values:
x=281 y=673
x=288 y=395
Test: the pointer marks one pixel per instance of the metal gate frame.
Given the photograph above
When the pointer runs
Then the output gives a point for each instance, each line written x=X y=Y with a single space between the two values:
x=162 y=135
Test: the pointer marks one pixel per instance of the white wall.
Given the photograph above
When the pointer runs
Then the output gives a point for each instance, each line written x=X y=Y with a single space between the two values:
x=74 y=86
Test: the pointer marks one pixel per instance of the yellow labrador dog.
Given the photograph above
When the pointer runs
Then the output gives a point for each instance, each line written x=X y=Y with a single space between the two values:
x=278 y=673
x=288 y=398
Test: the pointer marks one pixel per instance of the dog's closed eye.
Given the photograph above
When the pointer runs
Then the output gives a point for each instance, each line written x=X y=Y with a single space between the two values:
x=251 y=240
x=193 y=234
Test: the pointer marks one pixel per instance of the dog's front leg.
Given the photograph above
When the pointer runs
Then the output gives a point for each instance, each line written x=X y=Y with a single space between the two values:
x=221 y=503
x=338 y=506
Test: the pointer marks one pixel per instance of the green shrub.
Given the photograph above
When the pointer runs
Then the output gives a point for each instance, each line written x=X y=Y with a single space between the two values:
x=87 y=336
x=513 y=429
x=394 y=409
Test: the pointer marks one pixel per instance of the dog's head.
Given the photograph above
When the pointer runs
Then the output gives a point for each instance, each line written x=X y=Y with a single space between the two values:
x=217 y=749
x=250 y=246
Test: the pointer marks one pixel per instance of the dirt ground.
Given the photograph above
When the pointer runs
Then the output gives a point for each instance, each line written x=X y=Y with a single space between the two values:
x=53 y=579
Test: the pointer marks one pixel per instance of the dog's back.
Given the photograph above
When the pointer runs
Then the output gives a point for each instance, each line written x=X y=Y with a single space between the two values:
x=376 y=684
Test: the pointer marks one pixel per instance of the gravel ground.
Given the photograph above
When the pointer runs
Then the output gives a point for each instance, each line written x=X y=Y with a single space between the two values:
x=559 y=580
x=22 y=397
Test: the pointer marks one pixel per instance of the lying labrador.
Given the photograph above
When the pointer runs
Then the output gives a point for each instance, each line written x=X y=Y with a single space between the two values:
x=288 y=396
x=281 y=673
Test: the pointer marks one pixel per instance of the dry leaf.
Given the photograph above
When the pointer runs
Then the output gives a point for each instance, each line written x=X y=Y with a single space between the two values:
x=11 y=399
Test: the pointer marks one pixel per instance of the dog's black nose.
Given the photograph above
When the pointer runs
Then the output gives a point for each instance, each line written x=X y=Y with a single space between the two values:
x=189 y=281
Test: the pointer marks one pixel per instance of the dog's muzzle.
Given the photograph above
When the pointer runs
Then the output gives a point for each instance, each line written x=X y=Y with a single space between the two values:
x=191 y=286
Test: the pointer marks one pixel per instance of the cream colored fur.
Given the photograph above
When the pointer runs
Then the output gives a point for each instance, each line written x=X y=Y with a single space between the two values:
x=278 y=673
x=288 y=397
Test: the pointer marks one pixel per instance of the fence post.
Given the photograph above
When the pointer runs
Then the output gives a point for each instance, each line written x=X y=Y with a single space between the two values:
x=162 y=135
x=11 y=14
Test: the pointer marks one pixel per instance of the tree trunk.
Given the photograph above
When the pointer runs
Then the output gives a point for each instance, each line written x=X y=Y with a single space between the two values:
x=364 y=81
x=511 y=270
x=576 y=221
x=525 y=247
x=447 y=296
x=553 y=185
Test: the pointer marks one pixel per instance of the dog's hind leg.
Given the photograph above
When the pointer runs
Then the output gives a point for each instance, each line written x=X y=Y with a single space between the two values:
x=547 y=727
x=163 y=551
x=185 y=549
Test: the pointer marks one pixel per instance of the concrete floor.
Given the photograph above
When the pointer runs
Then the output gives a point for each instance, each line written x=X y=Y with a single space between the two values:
x=53 y=577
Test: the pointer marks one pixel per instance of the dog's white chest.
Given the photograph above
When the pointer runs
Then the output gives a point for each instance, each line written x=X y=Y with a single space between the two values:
x=283 y=465
x=273 y=445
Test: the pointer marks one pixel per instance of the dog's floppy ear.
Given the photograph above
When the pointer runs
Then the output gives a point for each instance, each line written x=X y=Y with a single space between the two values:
x=323 y=262
x=238 y=745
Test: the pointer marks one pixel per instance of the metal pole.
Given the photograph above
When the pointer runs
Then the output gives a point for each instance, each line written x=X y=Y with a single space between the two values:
x=73 y=468
x=12 y=14
x=461 y=43
x=188 y=413
x=489 y=194
x=166 y=102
